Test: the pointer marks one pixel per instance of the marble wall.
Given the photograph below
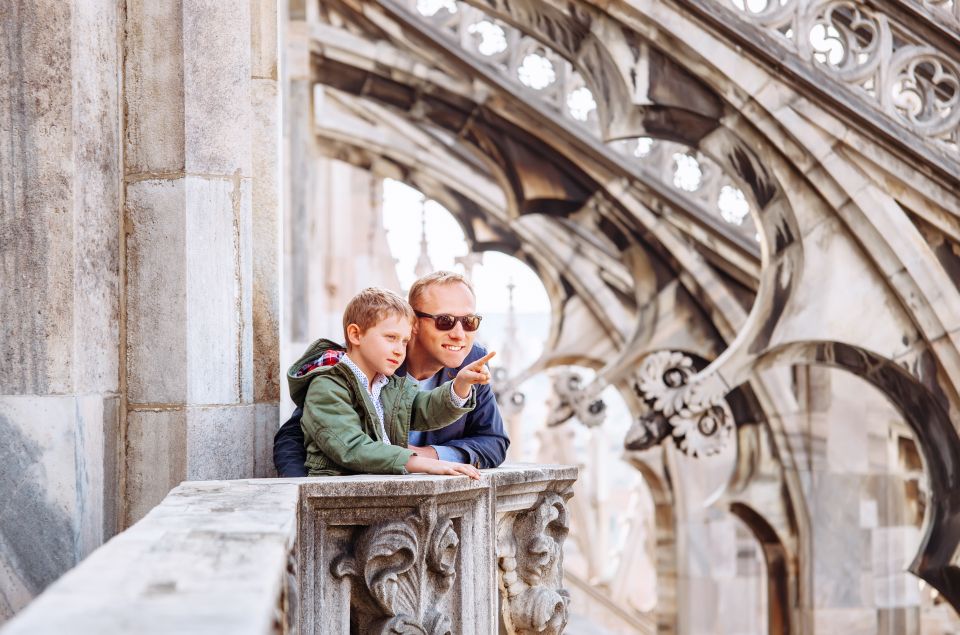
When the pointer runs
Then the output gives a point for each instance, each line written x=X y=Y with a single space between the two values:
x=865 y=493
x=139 y=259
x=60 y=293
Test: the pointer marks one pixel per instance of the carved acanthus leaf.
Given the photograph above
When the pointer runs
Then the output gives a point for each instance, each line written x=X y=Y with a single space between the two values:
x=400 y=571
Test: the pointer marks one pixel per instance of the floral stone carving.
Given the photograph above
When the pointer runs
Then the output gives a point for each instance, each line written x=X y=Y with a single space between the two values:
x=400 y=572
x=530 y=557
x=693 y=412
x=570 y=398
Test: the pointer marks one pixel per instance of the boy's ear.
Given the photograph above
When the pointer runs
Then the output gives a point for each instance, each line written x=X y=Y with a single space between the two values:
x=353 y=334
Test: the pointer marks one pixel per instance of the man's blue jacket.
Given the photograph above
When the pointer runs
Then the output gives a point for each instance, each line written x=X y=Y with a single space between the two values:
x=479 y=433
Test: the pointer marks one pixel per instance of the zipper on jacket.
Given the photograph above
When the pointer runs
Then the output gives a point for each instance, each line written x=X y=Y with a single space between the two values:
x=395 y=418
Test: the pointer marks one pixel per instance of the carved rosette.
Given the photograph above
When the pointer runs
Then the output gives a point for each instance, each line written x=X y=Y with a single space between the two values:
x=530 y=558
x=400 y=573
x=685 y=406
x=570 y=398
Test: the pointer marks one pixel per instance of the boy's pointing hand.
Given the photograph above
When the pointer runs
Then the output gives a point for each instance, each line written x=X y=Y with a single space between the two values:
x=474 y=373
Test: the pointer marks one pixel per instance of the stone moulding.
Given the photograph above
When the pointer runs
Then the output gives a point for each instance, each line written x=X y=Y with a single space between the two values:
x=212 y=557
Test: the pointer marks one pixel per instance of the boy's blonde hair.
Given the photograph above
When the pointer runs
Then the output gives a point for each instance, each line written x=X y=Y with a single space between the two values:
x=371 y=306
x=436 y=278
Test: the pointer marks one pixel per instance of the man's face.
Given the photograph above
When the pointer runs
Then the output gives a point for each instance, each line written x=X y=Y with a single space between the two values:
x=447 y=348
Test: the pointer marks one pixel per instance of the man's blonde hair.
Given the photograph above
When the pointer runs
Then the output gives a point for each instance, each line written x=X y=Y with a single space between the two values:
x=373 y=305
x=436 y=278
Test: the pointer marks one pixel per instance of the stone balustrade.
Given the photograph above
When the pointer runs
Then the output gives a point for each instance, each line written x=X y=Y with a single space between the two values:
x=385 y=554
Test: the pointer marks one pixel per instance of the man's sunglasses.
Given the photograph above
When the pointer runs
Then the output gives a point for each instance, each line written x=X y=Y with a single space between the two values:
x=445 y=322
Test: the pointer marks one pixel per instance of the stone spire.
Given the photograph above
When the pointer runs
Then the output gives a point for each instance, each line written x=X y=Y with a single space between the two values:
x=511 y=342
x=423 y=266
x=468 y=261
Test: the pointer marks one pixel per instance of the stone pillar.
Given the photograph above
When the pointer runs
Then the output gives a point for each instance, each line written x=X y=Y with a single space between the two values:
x=334 y=242
x=300 y=262
x=266 y=134
x=192 y=84
x=866 y=495
x=300 y=218
x=60 y=181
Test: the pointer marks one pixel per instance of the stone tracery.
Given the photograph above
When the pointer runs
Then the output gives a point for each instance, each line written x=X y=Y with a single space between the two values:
x=889 y=65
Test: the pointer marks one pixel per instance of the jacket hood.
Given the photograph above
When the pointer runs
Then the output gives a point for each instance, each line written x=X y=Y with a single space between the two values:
x=299 y=375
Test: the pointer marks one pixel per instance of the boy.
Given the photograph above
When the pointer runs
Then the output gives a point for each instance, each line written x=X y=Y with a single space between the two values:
x=356 y=414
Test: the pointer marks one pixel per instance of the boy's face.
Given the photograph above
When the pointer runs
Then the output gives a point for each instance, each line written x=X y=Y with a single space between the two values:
x=382 y=347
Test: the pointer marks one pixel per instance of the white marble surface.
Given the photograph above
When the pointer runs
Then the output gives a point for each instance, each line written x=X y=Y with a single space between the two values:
x=212 y=558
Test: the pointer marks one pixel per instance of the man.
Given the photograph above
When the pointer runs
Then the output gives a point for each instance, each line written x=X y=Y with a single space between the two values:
x=441 y=345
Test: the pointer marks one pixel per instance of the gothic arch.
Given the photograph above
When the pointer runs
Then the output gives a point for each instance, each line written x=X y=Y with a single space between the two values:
x=780 y=594
x=925 y=408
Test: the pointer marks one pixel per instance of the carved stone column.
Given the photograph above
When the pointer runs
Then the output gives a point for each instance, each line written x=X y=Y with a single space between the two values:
x=532 y=525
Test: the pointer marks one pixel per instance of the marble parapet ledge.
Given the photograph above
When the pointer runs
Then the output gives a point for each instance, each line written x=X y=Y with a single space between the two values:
x=317 y=555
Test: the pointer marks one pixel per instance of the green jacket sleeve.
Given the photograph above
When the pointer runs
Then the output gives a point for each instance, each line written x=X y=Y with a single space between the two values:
x=332 y=424
x=434 y=409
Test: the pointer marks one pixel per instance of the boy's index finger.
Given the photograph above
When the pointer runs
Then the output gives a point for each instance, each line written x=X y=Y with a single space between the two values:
x=483 y=360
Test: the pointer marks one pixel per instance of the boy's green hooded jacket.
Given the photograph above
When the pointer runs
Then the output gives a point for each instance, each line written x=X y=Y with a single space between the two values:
x=340 y=426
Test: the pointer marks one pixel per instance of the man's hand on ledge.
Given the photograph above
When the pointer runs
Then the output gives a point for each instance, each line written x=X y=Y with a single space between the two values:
x=424 y=465
x=427 y=450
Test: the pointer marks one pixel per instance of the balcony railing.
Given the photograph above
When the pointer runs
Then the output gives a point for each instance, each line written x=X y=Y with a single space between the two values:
x=366 y=554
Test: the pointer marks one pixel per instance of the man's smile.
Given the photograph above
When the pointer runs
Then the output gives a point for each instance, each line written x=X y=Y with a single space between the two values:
x=453 y=347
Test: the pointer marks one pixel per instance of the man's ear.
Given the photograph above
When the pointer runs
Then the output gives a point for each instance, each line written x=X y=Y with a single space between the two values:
x=353 y=334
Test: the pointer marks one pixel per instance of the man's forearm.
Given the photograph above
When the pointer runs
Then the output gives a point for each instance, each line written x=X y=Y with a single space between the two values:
x=441 y=452
x=450 y=453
